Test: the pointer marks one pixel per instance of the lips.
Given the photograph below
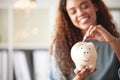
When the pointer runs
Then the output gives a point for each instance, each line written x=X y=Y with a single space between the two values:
x=84 y=20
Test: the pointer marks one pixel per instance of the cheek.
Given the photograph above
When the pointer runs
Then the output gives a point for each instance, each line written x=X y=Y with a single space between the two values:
x=74 y=20
x=94 y=18
x=93 y=13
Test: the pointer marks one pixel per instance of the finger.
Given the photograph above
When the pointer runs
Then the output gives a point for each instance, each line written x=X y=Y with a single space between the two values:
x=102 y=30
x=83 y=71
x=76 y=71
x=87 y=33
x=92 y=30
x=105 y=34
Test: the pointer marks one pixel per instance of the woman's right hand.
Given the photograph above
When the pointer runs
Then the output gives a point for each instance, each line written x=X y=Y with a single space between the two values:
x=82 y=74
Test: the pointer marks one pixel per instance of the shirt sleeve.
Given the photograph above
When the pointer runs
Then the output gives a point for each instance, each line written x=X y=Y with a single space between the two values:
x=119 y=73
x=55 y=73
x=119 y=67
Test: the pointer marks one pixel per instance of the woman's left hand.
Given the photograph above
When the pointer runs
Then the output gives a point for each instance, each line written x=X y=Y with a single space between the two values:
x=82 y=74
x=97 y=32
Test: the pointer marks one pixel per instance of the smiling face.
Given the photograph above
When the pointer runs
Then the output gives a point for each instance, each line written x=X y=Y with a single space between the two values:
x=82 y=13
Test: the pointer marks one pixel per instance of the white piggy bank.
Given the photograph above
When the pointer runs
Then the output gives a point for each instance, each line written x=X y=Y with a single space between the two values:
x=84 y=54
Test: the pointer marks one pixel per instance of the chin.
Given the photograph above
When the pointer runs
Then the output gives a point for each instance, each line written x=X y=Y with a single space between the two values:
x=86 y=27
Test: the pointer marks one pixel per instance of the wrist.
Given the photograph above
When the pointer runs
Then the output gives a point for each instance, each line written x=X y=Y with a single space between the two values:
x=77 y=77
x=114 y=41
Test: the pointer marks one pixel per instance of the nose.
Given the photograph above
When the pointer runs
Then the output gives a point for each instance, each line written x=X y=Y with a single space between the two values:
x=80 y=12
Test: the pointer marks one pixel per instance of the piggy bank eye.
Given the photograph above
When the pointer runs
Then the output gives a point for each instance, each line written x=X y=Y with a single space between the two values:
x=81 y=47
x=89 y=48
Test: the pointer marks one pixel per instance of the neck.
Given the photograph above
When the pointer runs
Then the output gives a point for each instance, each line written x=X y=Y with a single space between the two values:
x=83 y=32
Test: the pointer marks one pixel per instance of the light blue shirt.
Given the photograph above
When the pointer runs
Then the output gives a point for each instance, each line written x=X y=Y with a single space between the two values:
x=108 y=65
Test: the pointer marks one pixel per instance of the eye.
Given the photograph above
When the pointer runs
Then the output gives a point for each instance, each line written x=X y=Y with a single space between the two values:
x=84 y=6
x=72 y=11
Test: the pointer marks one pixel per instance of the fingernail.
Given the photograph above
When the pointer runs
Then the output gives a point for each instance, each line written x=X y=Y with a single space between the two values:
x=86 y=67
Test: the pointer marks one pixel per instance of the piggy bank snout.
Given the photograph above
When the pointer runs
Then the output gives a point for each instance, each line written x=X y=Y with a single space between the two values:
x=86 y=51
x=86 y=54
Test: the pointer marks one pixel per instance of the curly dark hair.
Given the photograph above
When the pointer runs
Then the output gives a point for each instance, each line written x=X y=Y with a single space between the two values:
x=66 y=34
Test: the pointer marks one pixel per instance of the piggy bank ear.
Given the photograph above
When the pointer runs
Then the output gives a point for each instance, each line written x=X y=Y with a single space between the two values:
x=90 y=44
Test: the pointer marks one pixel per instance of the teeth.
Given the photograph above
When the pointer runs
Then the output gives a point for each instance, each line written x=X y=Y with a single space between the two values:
x=83 y=20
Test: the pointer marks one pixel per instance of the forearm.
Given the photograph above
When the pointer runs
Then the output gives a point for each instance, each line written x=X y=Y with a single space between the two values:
x=116 y=46
x=77 y=77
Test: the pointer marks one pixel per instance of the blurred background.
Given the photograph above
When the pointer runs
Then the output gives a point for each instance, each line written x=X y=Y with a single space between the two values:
x=26 y=31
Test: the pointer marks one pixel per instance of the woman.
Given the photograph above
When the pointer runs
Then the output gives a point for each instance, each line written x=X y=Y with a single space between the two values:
x=76 y=19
